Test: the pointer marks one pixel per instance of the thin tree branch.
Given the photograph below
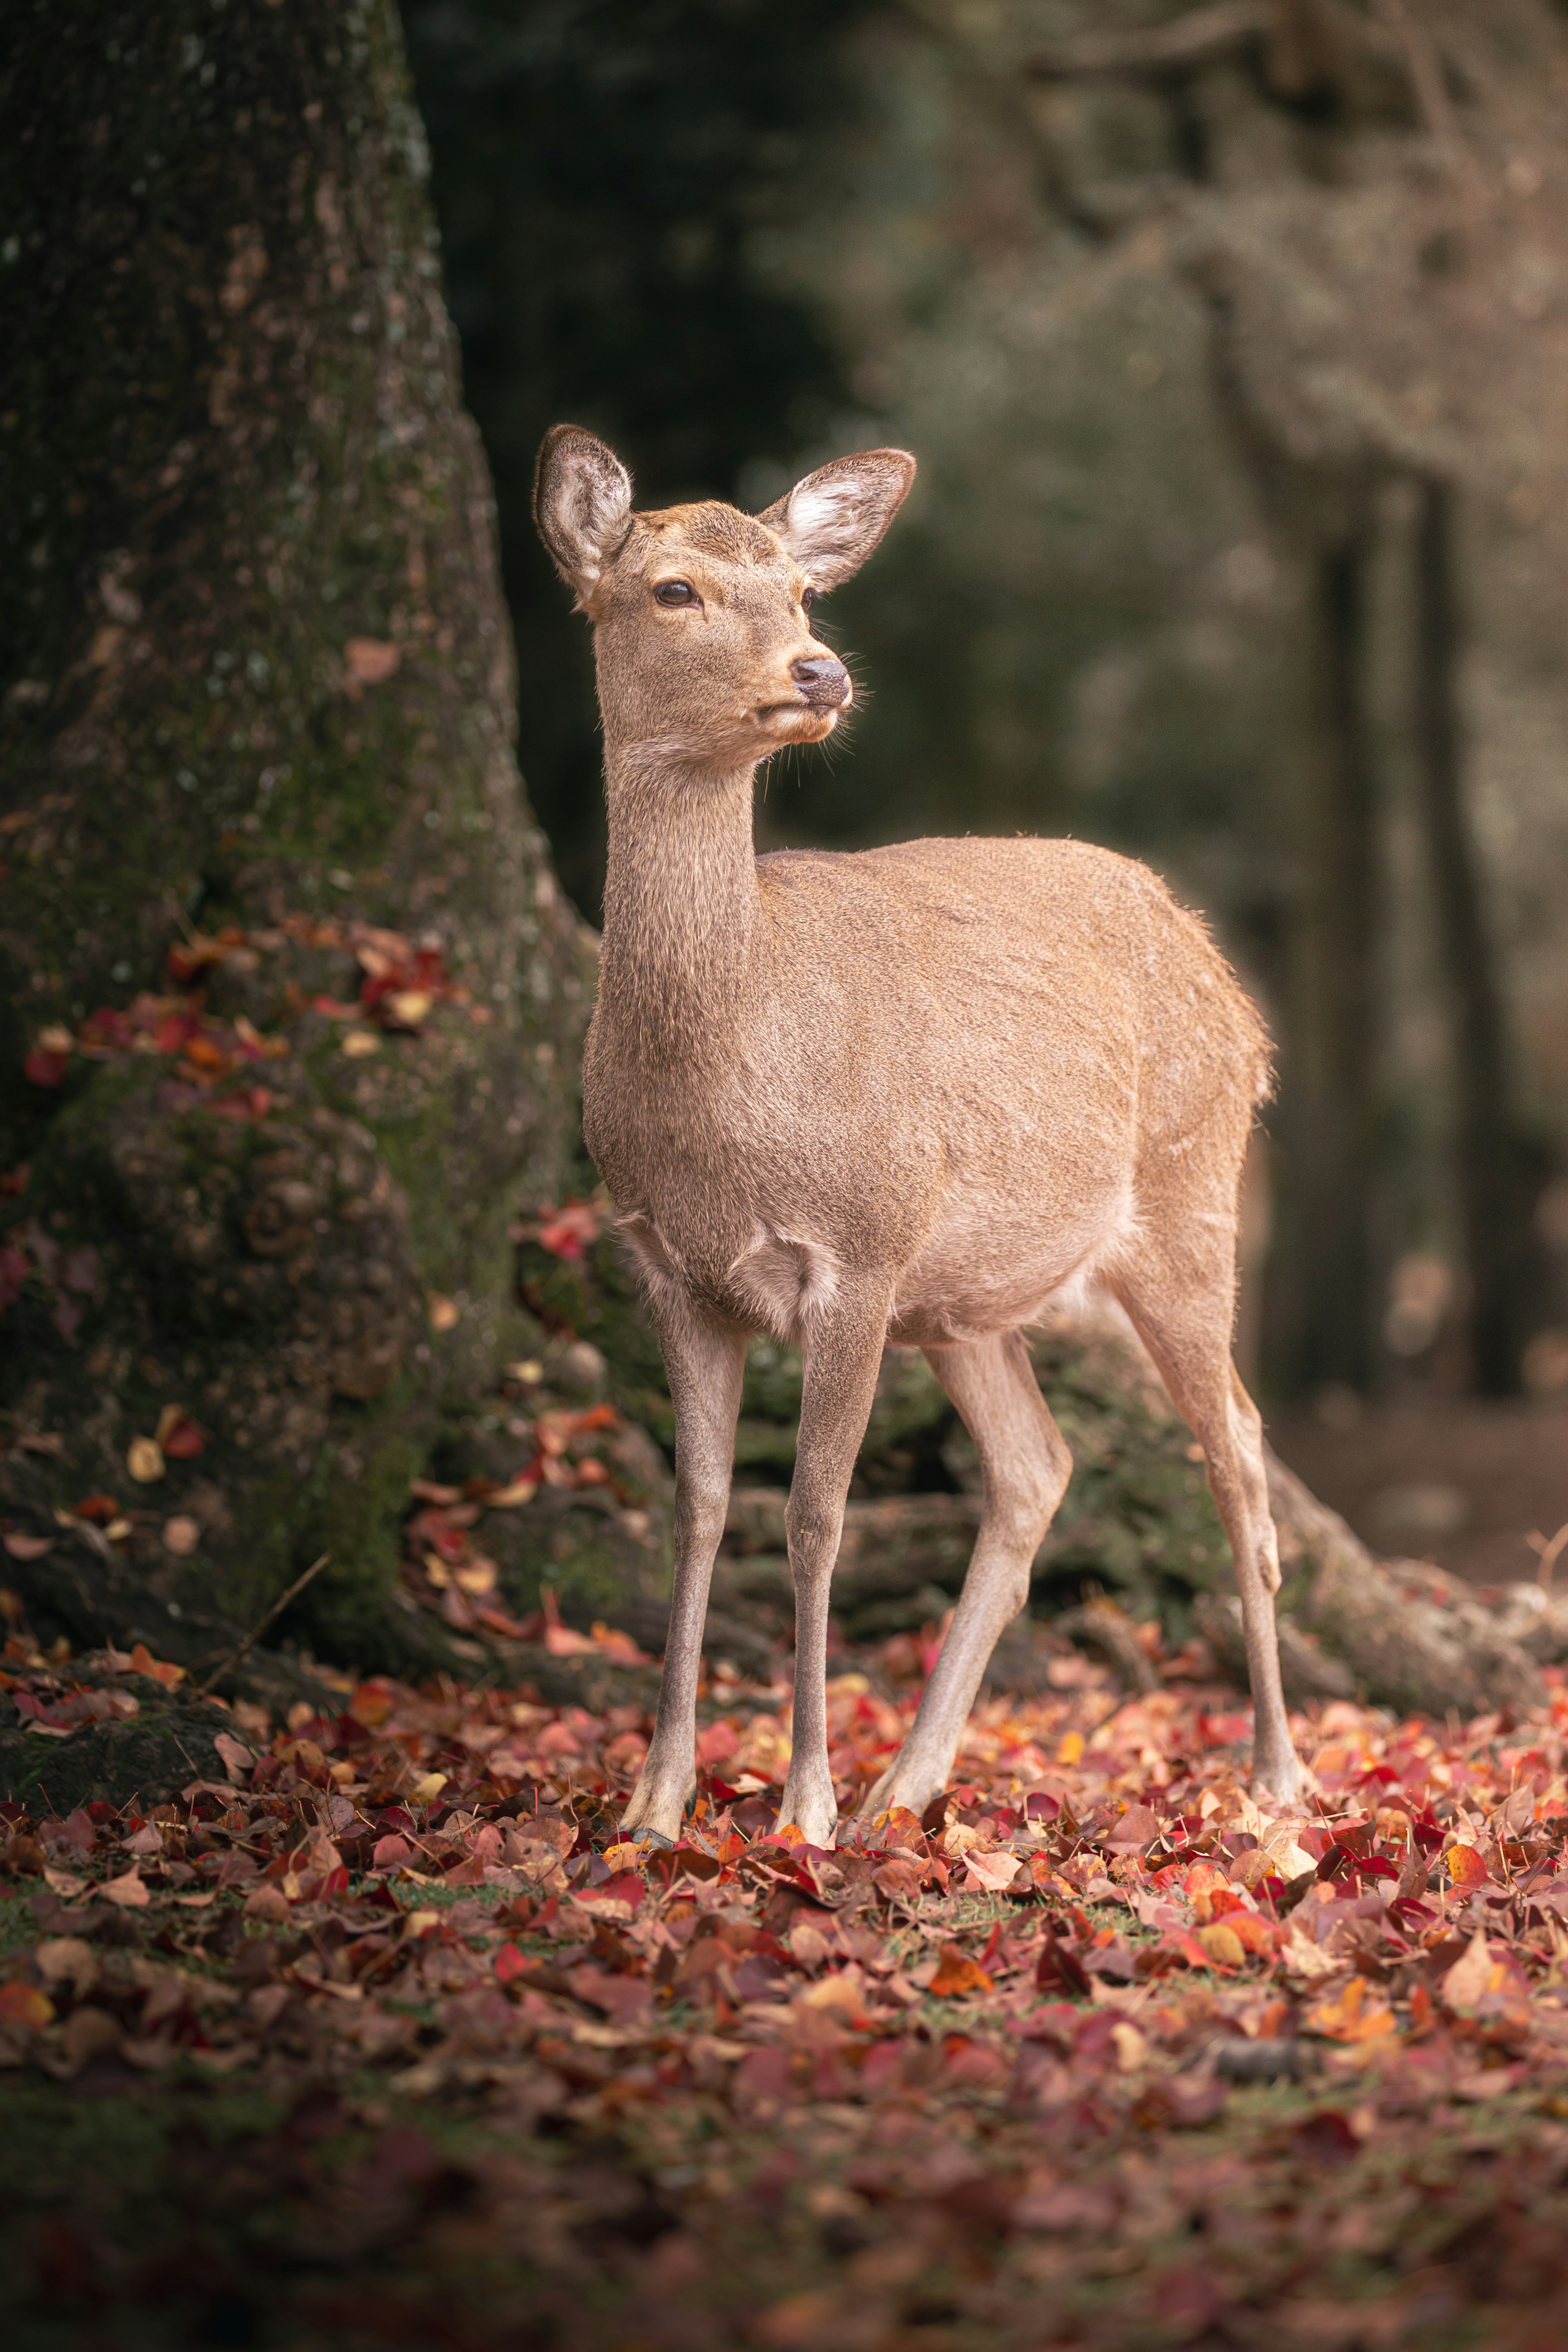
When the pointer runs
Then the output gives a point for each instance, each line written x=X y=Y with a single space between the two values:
x=226 y=1665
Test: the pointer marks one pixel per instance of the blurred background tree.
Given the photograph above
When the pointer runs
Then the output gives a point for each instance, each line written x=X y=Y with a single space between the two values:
x=1230 y=340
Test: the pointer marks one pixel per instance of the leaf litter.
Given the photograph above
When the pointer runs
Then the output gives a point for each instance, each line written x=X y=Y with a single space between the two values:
x=1094 y=2052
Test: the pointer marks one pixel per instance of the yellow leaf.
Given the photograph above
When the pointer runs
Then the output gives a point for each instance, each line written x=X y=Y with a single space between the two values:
x=360 y=1041
x=1070 y=1749
x=144 y=1460
x=1131 y=2046
x=427 y=1788
x=1223 y=1944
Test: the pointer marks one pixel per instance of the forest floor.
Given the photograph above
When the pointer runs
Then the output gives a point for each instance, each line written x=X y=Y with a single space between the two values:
x=1450 y=1479
x=387 y=2038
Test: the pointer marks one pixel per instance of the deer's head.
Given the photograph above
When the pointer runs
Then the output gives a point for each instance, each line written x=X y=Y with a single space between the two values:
x=701 y=615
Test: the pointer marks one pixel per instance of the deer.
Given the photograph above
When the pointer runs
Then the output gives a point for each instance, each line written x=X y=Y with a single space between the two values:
x=902 y=1096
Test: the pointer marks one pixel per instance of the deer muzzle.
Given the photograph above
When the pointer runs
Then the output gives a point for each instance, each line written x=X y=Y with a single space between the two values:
x=824 y=682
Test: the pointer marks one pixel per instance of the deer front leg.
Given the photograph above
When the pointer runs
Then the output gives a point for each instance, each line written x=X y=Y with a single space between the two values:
x=842 y=1355
x=704 y=1364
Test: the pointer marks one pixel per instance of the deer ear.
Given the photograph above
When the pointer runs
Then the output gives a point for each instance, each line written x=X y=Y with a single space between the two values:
x=581 y=504
x=833 y=519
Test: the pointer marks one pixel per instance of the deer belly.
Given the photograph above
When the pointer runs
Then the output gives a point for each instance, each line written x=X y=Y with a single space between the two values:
x=980 y=1272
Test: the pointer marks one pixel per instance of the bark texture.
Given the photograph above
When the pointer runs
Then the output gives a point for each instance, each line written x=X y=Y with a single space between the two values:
x=257 y=685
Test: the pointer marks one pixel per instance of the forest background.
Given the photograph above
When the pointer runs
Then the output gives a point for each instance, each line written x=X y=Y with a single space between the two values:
x=1233 y=548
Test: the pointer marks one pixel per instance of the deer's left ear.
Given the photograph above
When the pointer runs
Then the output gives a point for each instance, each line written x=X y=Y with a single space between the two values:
x=833 y=519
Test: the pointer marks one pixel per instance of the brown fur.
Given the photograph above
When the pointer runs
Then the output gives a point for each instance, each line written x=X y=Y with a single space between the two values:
x=906 y=1094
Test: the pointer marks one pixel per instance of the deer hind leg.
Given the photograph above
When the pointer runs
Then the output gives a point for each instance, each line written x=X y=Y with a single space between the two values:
x=1026 y=1466
x=1180 y=1301
x=705 y=1366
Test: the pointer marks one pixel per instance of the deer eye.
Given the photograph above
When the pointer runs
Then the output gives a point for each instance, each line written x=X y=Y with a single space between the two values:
x=675 y=592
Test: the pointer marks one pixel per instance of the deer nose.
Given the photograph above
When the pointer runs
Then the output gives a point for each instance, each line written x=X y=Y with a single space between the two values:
x=824 y=681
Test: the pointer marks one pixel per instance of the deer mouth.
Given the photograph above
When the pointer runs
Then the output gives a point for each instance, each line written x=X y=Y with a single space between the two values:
x=801 y=717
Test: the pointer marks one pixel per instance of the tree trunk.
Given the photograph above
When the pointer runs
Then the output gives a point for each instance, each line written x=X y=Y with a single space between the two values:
x=1492 y=1160
x=1322 y=1310
x=258 y=710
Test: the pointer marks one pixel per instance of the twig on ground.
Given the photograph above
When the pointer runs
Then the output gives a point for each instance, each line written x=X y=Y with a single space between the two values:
x=226 y=1665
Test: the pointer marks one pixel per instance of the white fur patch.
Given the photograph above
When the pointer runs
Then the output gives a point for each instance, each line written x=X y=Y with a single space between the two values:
x=786 y=1280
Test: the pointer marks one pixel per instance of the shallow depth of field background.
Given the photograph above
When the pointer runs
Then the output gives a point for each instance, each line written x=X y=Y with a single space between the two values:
x=1195 y=364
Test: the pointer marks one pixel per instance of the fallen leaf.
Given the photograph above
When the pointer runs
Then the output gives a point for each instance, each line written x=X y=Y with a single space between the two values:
x=991 y=1873
x=25 y=2005
x=26 y=1546
x=1222 y=1945
x=178 y=1434
x=181 y=1535
x=127 y=1891
x=1356 y=2014
x=443 y=1313
x=160 y=1670
x=144 y=1460
x=957 y=1973
x=237 y=1756
x=1467 y=1867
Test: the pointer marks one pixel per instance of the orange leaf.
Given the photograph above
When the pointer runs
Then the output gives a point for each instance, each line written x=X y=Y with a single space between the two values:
x=1347 y=2017
x=1465 y=1867
x=1222 y=1947
x=957 y=1973
x=24 y=2004
x=161 y=1670
x=1251 y=1931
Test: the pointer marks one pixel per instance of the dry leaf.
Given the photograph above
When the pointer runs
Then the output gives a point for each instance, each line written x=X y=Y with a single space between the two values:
x=144 y=1460
x=127 y=1891
x=26 y=1546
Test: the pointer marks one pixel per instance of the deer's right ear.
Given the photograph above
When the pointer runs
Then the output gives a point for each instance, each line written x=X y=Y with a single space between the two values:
x=581 y=504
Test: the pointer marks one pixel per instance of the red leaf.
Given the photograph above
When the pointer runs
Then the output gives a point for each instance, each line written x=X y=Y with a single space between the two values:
x=44 y=1067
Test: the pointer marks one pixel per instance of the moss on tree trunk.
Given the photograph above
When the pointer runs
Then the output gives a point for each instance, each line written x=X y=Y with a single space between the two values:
x=256 y=679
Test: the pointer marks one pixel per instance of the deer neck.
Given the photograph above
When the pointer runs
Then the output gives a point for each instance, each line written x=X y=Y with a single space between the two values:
x=682 y=910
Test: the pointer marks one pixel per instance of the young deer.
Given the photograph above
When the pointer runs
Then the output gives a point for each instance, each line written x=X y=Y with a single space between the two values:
x=903 y=1096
